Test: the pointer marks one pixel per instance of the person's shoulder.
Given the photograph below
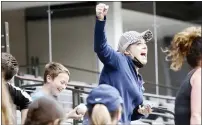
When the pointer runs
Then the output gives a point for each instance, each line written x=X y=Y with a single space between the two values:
x=197 y=73
x=37 y=95
x=196 y=76
x=11 y=86
x=17 y=91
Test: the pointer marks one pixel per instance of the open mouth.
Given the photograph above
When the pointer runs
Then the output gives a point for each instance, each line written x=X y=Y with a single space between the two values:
x=143 y=54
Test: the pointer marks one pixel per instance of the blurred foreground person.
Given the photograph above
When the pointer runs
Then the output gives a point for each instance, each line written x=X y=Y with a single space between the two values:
x=44 y=111
x=104 y=105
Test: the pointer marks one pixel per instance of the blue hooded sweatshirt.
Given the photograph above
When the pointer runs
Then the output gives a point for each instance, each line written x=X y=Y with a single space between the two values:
x=119 y=72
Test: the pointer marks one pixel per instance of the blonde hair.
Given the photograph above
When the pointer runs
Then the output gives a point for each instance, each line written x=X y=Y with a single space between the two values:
x=100 y=115
x=6 y=106
x=54 y=69
x=180 y=46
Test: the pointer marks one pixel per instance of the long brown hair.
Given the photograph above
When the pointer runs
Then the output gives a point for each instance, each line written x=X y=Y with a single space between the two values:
x=6 y=106
x=181 y=45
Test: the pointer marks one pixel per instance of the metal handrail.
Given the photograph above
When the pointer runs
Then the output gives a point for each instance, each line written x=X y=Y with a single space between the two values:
x=159 y=96
x=151 y=121
x=80 y=84
x=97 y=72
x=82 y=91
x=72 y=83
x=71 y=67
x=83 y=85
x=76 y=97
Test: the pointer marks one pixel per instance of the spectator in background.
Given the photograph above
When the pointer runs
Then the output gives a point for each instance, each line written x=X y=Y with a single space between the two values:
x=20 y=98
x=56 y=78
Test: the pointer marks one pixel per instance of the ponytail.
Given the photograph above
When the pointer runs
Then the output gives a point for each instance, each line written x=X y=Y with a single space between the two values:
x=180 y=46
x=100 y=115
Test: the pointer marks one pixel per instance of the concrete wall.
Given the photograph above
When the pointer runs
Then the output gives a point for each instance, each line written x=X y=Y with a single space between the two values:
x=16 y=21
x=72 y=44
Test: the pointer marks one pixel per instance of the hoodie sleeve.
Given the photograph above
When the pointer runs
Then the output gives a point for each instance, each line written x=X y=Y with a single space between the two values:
x=105 y=53
x=136 y=115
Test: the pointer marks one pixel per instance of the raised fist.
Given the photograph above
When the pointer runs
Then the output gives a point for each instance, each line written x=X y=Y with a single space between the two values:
x=101 y=11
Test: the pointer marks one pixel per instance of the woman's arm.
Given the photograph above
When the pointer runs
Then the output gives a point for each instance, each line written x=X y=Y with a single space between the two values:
x=196 y=98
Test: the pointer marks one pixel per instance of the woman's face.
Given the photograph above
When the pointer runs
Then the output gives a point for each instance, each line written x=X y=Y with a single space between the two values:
x=139 y=50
